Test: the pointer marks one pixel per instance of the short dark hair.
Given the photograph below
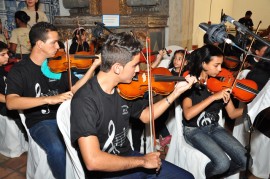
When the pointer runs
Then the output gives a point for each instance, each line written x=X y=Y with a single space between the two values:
x=118 y=48
x=22 y=16
x=3 y=46
x=248 y=13
x=39 y=32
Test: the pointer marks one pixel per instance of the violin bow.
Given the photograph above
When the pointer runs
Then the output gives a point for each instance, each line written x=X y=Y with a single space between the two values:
x=150 y=91
x=183 y=62
x=69 y=67
x=246 y=54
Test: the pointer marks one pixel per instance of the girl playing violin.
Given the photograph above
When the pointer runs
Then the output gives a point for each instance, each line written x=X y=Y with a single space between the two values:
x=201 y=114
x=177 y=61
x=79 y=41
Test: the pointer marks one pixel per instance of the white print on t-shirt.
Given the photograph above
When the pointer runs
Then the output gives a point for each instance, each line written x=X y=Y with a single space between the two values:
x=46 y=110
x=5 y=81
x=125 y=109
x=115 y=140
x=205 y=119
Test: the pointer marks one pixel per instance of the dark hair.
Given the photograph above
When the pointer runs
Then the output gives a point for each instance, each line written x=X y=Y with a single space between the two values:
x=172 y=59
x=61 y=44
x=248 y=13
x=3 y=46
x=200 y=55
x=119 y=48
x=206 y=39
x=258 y=45
x=78 y=31
x=39 y=32
x=22 y=16
x=36 y=8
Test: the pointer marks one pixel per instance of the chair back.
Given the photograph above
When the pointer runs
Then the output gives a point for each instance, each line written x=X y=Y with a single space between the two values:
x=63 y=122
x=37 y=163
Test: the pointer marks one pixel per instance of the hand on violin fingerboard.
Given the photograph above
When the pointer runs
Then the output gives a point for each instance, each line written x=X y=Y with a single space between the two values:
x=224 y=94
x=97 y=62
x=182 y=86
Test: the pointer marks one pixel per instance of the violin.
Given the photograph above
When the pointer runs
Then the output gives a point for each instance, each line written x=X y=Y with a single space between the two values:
x=10 y=63
x=80 y=60
x=162 y=80
x=231 y=62
x=244 y=90
x=152 y=55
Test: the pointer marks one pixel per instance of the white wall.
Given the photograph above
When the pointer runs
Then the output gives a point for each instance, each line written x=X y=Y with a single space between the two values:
x=202 y=14
x=234 y=8
x=260 y=11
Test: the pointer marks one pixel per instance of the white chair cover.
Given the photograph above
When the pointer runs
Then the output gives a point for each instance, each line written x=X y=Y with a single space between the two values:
x=37 y=164
x=12 y=141
x=74 y=166
x=260 y=144
x=184 y=155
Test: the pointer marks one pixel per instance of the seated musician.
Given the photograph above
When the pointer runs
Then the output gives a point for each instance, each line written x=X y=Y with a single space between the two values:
x=261 y=71
x=100 y=117
x=28 y=89
x=3 y=76
x=201 y=114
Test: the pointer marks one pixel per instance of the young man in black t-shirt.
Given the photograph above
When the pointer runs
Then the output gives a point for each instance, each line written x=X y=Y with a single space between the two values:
x=39 y=96
x=247 y=21
x=100 y=117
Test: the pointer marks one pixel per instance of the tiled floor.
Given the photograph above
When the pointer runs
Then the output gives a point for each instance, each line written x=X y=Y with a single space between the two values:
x=13 y=168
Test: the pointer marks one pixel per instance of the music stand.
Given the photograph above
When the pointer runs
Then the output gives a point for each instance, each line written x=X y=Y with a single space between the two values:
x=250 y=129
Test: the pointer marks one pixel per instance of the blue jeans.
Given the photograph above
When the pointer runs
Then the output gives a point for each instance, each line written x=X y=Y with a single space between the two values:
x=168 y=171
x=47 y=135
x=215 y=142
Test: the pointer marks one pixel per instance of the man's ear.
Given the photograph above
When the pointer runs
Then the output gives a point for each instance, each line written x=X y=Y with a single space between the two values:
x=39 y=43
x=117 y=68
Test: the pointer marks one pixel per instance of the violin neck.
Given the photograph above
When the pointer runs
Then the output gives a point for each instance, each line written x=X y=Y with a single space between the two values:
x=168 y=78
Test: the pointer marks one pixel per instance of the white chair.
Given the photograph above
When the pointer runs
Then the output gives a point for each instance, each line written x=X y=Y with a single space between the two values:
x=260 y=144
x=63 y=120
x=37 y=164
x=184 y=155
x=12 y=141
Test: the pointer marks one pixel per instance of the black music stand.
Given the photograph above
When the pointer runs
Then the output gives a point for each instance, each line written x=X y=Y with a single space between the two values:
x=250 y=129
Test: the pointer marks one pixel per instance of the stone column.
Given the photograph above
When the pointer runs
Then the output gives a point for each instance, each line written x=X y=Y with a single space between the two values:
x=180 y=23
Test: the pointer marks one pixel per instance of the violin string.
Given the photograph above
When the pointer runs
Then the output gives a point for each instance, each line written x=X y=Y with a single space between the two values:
x=246 y=88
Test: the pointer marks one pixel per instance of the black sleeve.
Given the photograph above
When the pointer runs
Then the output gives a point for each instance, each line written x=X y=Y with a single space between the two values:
x=15 y=82
x=73 y=48
x=84 y=117
x=136 y=107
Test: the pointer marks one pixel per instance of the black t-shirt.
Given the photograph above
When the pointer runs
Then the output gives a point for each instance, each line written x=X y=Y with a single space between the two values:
x=27 y=80
x=94 y=112
x=247 y=22
x=260 y=74
x=3 y=77
x=210 y=113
